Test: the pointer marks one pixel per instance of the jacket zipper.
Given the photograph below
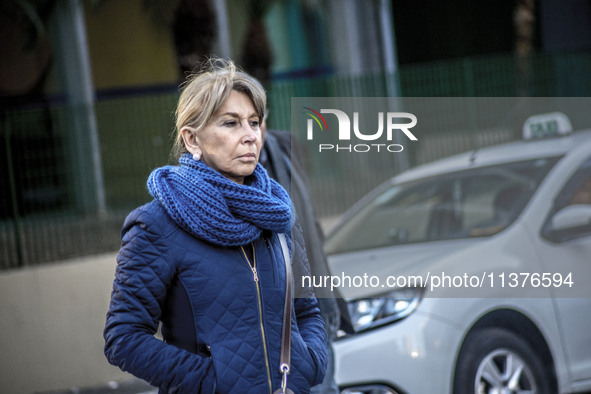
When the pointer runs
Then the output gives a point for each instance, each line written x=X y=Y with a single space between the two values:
x=253 y=268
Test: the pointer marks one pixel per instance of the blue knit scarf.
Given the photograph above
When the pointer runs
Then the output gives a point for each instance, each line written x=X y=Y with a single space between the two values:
x=216 y=209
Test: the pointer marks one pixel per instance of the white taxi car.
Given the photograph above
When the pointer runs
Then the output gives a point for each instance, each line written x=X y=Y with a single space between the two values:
x=514 y=217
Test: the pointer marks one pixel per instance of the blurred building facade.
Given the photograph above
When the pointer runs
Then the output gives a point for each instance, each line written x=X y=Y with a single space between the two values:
x=90 y=113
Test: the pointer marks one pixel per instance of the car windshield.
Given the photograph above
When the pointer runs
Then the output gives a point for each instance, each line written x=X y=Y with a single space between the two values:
x=472 y=203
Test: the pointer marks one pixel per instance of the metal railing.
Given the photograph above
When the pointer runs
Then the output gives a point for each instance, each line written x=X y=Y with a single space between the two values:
x=46 y=210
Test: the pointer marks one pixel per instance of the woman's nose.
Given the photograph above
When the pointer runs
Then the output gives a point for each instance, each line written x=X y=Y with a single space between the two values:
x=251 y=133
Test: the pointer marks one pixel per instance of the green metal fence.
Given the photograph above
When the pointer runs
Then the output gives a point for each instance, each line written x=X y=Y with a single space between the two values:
x=41 y=219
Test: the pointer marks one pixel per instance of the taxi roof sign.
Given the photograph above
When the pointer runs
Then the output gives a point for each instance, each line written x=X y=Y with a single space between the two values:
x=553 y=124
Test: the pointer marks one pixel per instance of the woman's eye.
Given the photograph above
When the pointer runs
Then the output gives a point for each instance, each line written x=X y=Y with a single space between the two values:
x=230 y=123
x=254 y=123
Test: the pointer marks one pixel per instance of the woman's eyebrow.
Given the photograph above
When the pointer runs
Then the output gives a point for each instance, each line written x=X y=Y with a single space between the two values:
x=236 y=115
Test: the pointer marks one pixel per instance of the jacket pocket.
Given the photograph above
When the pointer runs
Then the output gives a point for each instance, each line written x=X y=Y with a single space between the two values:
x=303 y=360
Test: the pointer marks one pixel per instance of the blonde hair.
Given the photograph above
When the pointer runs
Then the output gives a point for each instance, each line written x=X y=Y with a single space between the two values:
x=205 y=92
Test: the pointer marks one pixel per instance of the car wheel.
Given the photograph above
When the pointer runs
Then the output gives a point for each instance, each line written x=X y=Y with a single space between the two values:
x=497 y=361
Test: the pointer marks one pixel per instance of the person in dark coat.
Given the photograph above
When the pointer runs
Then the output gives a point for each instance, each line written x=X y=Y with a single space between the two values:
x=283 y=162
x=204 y=260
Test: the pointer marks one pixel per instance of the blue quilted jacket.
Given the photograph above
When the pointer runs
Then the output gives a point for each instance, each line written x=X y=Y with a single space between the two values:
x=221 y=328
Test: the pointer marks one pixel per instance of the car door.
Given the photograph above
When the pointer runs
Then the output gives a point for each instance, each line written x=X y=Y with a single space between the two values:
x=566 y=248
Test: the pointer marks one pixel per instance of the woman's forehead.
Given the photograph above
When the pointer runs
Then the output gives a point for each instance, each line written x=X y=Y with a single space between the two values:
x=238 y=104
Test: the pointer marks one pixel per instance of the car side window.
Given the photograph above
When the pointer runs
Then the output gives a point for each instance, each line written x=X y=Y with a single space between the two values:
x=570 y=217
x=476 y=202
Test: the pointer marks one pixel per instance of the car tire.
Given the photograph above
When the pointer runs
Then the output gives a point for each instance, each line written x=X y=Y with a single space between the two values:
x=496 y=358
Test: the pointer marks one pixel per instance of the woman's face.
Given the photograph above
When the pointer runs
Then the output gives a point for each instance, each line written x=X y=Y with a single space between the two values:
x=230 y=143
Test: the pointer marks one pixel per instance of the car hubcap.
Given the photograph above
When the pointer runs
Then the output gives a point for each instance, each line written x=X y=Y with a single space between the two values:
x=504 y=372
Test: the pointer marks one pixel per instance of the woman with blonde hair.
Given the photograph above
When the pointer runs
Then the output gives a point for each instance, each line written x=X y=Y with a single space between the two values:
x=204 y=258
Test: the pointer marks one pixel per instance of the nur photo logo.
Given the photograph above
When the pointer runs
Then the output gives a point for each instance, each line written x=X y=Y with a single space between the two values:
x=350 y=137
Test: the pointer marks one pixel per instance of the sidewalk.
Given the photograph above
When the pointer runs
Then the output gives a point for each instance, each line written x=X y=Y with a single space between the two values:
x=131 y=386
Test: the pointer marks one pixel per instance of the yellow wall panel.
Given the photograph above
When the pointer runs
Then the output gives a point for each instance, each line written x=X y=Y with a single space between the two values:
x=128 y=48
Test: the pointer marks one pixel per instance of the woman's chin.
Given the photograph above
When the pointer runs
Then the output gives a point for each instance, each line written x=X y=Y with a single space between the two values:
x=238 y=175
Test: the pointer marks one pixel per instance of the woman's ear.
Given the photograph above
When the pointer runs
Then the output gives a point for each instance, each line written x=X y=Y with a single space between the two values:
x=189 y=135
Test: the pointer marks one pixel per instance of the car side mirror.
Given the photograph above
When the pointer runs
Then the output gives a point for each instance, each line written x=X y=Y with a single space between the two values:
x=571 y=217
x=570 y=222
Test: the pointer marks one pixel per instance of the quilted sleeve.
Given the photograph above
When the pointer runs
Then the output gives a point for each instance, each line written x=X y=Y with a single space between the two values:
x=143 y=274
x=311 y=327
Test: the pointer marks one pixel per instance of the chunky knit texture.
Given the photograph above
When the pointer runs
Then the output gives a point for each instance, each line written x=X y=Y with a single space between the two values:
x=213 y=208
